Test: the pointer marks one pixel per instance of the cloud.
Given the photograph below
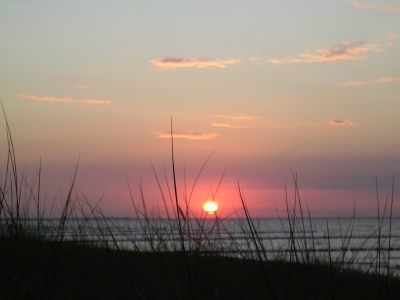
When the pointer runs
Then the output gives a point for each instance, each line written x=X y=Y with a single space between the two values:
x=192 y=62
x=45 y=98
x=381 y=80
x=390 y=8
x=233 y=118
x=344 y=51
x=63 y=99
x=254 y=57
x=388 y=79
x=364 y=5
x=341 y=122
x=186 y=135
x=370 y=5
x=95 y=101
x=351 y=83
x=275 y=61
x=246 y=118
x=392 y=36
x=227 y=125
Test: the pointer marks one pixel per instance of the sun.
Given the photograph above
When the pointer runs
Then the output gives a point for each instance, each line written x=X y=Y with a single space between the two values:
x=210 y=207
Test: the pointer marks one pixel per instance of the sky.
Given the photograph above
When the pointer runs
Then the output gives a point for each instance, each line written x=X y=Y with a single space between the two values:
x=260 y=91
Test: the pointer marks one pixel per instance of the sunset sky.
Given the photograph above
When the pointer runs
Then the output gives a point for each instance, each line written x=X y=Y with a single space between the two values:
x=271 y=87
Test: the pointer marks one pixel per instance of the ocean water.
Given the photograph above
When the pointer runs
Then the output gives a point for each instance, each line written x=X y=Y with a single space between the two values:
x=359 y=243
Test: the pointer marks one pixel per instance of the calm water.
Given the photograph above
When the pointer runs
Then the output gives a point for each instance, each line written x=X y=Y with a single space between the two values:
x=360 y=243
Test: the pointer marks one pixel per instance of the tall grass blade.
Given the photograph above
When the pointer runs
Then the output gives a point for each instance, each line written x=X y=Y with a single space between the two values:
x=179 y=215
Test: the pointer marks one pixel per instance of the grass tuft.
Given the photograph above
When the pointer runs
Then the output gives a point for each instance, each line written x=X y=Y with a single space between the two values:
x=84 y=255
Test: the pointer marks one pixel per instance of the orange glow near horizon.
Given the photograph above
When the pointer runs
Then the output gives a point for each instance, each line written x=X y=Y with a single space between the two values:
x=210 y=207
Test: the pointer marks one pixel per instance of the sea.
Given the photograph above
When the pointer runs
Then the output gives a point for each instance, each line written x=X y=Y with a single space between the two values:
x=366 y=244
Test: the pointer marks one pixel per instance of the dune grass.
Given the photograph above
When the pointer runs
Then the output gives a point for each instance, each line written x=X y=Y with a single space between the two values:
x=79 y=255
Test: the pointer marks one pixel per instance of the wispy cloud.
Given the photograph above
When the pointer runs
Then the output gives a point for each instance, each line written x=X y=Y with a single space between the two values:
x=253 y=57
x=381 y=80
x=186 y=135
x=392 y=36
x=94 y=101
x=370 y=5
x=246 y=118
x=351 y=83
x=387 y=79
x=227 y=125
x=63 y=99
x=275 y=61
x=46 y=98
x=364 y=5
x=341 y=122
x=344 y=51
x=390 y=8
x=192 y=62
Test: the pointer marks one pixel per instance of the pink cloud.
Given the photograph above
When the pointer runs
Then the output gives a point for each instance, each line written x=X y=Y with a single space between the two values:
x=352 y=83
x=227 y=125
x=246 y=118
x=364 y=5
x=95 y=101
x=63 y=99
x=46 y=98
x=392 y=36
x=192 y=62
x=344 y=51
x=340 y=122
x=384 y=7
x=275 y=61
x=381 y=80
x=390 y=8
x=388 y=79
x=186 y=135
x=254 y=57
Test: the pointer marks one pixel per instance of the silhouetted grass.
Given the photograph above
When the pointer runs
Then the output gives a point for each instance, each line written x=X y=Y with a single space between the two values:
x=80 y=255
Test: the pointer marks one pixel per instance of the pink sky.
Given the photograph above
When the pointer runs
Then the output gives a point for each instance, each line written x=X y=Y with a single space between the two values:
x=267 y=87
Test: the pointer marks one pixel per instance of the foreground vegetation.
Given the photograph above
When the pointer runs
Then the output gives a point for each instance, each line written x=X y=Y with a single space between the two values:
x=63 y=261
x=32 y=269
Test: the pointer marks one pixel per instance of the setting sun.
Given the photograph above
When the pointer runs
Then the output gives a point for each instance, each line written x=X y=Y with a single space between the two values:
x=210 y=207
